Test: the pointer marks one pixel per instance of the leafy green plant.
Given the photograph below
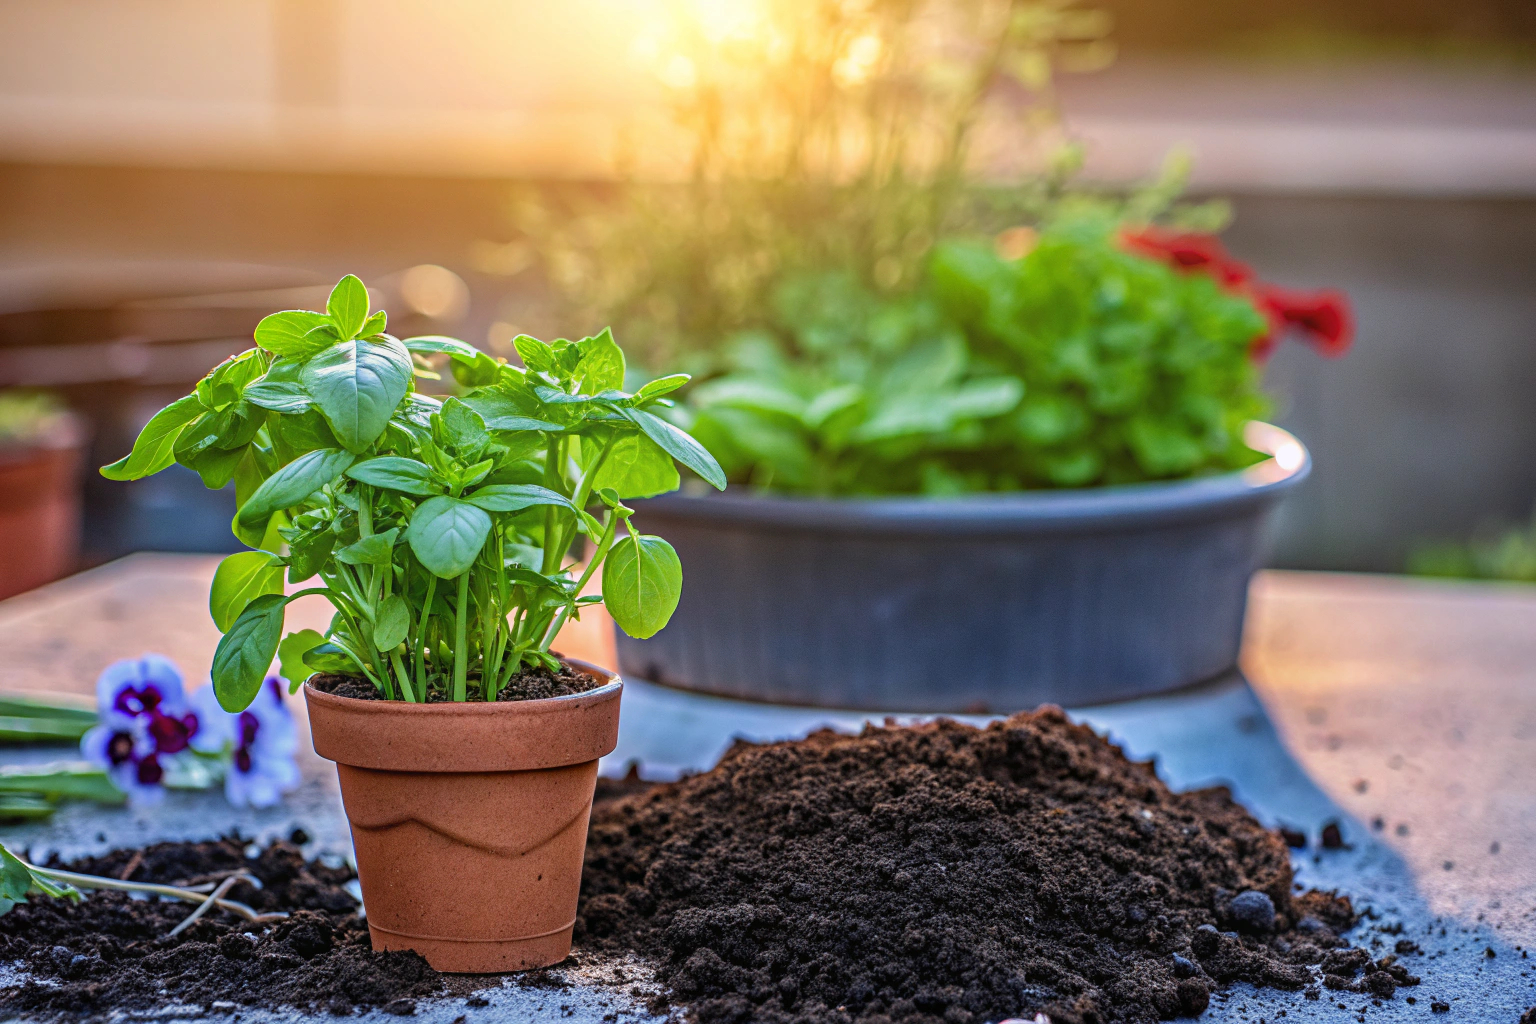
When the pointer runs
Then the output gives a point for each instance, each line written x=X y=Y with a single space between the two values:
x=439 y=528
x=1066 y=362
x=1509 y=555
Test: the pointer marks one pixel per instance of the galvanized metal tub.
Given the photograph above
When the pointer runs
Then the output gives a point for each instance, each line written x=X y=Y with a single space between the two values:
x=991 y=602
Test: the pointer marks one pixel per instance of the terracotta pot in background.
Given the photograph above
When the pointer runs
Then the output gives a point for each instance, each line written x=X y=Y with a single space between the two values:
x=40 y=508
x=470 y=820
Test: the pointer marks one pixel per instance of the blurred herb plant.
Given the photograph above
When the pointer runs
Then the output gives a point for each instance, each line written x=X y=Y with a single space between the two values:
x=821 y=136
x=438 y=528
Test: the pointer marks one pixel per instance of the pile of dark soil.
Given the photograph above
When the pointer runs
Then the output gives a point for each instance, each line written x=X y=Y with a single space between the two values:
x=110 y=951
x=946 y=873
x=530 y=683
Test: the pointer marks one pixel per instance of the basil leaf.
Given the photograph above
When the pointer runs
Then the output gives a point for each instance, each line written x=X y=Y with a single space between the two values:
x=501 y=410
x=661 y=386
x=290 y=657
x=462 y=427
x=372 y=550
x=392 y=623
x=307 y=554
x=155 y=448
x=396 y=474
x=278 y=396
x=636 y=467
x=216 y=466
x=239 y=580
x=601 y=367
x=329 y=657
x=515 y=497
x=348 y=307
x=447 y=534
x=642 y=581
x=535 y=354
x=357 y=385
x=294 y=482
x=431 y=344
x=375 y=324
x=680 y=446
x=295 y=332
x=245 y=652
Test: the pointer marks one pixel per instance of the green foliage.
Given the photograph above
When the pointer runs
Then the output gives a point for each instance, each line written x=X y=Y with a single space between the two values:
x=1509 y=555
x=1076 y=364
x=18 y=880
x=438 y=528
x=641 y=584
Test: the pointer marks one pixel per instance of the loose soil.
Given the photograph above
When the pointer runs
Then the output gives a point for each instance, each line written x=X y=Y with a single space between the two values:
x=530 y=683
x=110 y=951
x=933 y=874
x=947 y=873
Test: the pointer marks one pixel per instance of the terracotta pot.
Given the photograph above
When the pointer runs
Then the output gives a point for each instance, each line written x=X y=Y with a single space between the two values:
x=470 y=820
x=40 y=509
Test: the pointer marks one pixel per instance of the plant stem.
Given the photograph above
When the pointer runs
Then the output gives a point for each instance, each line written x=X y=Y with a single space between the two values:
x=421 y=637
x=97 y=882
x=460 y=655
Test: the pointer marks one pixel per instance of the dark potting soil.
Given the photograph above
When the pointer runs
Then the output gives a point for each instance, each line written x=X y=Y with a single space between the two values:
x=947 y=873
x=110 y=951
x=530 y=683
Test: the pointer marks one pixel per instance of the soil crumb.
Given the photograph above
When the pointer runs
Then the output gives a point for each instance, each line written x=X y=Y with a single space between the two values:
x=110 y=951
x=951 y=874
x=530 y=683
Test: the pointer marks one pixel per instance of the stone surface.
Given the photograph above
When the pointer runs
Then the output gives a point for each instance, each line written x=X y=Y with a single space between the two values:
x=1372 y=700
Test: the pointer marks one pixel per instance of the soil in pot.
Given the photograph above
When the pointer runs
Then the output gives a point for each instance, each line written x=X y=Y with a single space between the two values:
x=530 y=683
x=111 y=951
x=952 y=874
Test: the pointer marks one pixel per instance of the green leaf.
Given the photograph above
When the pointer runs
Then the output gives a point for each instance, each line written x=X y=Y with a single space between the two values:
x=17 y=880
x=216 y=466
x=476 y=372
x=348 y=307
x=155 y=448
x=431 y=344
x=290 y=657
x=294 y=482
x=245 y=652
x=396 y=474
x=392 y=623
x=601 y=367
x=72 y=780
x=297 y=333
x=680 y=446
x=447 y=534
x=636 y=467
x=278 y=396
x=462 y=427
x=642 y=581
x=661 y=386
x=515 y=497
x=358 y=385
x=535 y=354
x=307 y=554
x=328 y=657
x=372 y=550
x=239 y=580
x=375 y=324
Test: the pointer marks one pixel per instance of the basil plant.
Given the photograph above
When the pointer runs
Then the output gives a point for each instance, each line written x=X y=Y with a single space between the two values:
x=439 y=529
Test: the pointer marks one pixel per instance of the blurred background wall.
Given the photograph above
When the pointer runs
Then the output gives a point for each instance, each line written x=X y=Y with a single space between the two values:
x=171 y=170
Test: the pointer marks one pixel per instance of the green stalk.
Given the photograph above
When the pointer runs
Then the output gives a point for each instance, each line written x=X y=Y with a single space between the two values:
x=552 y=551
x=405 y=680
x=421 y=637
x=460 y=658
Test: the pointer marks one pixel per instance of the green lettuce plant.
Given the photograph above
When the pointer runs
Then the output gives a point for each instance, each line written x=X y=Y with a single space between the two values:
x=439 y=528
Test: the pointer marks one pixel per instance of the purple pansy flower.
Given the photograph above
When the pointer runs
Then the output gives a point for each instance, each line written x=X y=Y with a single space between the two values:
x=144 y=717
x=262 y=740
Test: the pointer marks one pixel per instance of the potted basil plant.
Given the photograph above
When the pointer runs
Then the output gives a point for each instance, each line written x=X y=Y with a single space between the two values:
x=440 y=530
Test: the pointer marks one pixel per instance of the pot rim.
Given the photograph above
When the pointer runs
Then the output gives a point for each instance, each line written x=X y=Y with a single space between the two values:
x=1069 y=510
x=446 y=709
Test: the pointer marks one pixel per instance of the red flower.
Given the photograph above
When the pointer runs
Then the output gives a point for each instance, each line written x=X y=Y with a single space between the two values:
x=1187 y=252
x=1322 y=318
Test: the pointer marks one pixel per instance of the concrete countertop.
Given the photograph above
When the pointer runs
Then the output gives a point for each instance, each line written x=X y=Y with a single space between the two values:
x=1405 y=709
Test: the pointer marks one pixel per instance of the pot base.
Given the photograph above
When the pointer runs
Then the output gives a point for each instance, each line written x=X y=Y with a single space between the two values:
x=480 y=956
